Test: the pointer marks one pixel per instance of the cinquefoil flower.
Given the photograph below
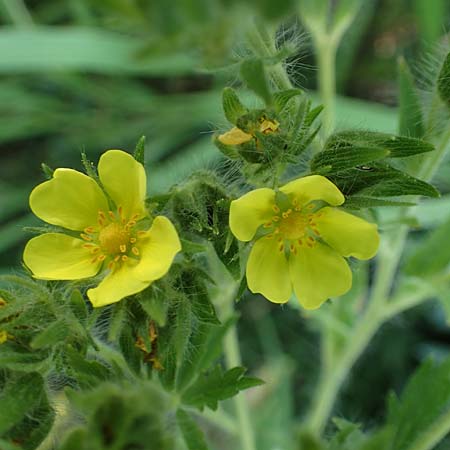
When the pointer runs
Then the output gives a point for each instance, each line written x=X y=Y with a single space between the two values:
x=105 y=234
x=300 y=240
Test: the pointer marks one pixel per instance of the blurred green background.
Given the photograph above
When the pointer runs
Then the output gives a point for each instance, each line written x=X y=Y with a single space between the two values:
x=97 y=74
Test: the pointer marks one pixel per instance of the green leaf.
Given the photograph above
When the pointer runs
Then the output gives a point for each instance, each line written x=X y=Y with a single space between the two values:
x=432 y=255
x=193 y=436
x=18 y=398
x=282 y=98
x=217 y=385
x=410 y=111
x=380 y=180
x=232 y=106
x=345 y=158
x=424 y=401
x=443 y=83
x=359 y=202
x=139 y=151
x=52 y=335
x=254 y=74
x=78 y=305
x=154 y=304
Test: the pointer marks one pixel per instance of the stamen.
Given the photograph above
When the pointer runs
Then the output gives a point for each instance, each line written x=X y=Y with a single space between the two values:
x=300 y=242
x=295 y=251
x=112 y=215
x=95 y=250
x=280 y=239
x=141 y=233
x=133 y=240
x=135 y=250
x=124 y=257
x=281 y=248
x=101 y=257
x=311 y=206
x=111 y=265
x=89 y=245
x=117 y=258
x=292 y=247
x=310 y=238
x=266 y=225
x=123 y=248
x=89 y=230
x=276 y=208
x=86 y=237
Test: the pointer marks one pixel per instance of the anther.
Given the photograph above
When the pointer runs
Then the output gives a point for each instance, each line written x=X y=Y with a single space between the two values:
x=89 y=245
x=141 y=233
x=133 y=240
x=281 y=248
x=275 y=219
x=292 y=247
x=112 y=215
x=311 y=206
x=117 y=258
x=95 y=250
x=111 y=265
x=310 y=238
x=89 y=230
x=101 y=257
x=123 y=248
x=300 y=242
x=135 y=250
x=124 y=257
x=86 y=237
x=266 y=225
x=276 y=208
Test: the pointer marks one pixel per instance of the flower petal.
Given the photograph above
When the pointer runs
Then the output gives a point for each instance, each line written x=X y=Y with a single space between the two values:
x=124 y=179
x=317 y=274
x=70 y=199
x=117 y=285
x=157 y=251
x=348 y=234
x=250 y=211
x=235 y=137
x=268 y=271
x=314 y=187
x=56 y=256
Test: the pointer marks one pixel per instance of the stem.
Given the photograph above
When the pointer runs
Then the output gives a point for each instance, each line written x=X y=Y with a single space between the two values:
x=17 y=12
x=326 y=58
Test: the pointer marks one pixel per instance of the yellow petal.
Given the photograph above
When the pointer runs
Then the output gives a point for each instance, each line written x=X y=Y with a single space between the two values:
x=250 y=211
x=157 y=251
x=70 y=199
x=313 y=187
x=268 y=271
x=116 y=285
x=317 y=274
x=348 y=234
x=124 y=180
x=235 y=137
x=56 y=256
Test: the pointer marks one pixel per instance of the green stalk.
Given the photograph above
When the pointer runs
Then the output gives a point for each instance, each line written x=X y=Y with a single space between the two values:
x=326 y=48
x=437 y=432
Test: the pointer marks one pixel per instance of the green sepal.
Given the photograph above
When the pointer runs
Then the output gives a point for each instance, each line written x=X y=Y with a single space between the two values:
x=139 y=151
x=232 y=106
x=443 y=83
x=47 y=170
x=282 y=98
x=51 y=336
x=254 y=74
x=230 y=151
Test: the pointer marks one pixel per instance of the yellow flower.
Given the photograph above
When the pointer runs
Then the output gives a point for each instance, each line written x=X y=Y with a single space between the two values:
x=236 y=136
x=300 y=240
x=116 y=239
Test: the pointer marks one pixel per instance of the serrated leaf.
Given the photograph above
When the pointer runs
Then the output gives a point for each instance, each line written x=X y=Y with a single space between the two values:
x=192 y=434
x=254 y=74
x=282 y=98
x=432 y=255
x=232 y=106
x=216 y=385
x=18 y=398
x=359 y=202
x=443 y=83
x=380 y=180
x=337 y=159
x=410 y=107
x=427 y=392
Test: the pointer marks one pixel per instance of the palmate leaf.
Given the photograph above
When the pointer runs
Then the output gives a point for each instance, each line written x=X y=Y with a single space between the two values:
x=380 y=180
x=218 y=385
x=423 y=403
x=345 y=150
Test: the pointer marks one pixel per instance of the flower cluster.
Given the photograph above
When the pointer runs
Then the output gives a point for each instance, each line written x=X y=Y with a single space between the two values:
x=300 y=238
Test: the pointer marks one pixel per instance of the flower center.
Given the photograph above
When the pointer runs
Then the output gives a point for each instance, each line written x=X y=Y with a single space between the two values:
x=114 y=239
x=294 y=224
